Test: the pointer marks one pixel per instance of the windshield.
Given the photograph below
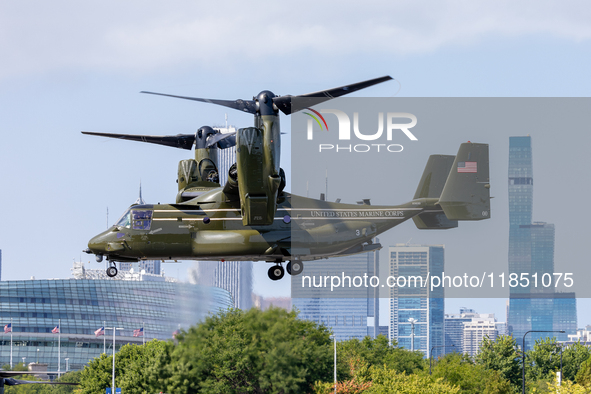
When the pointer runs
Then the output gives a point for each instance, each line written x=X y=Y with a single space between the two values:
x=124 y=220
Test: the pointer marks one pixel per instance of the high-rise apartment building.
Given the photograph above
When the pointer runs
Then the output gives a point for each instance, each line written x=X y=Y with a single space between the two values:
x=465 y=331
x=475 y=331
x=417 y=312
x=454 y=329
x=531 y=251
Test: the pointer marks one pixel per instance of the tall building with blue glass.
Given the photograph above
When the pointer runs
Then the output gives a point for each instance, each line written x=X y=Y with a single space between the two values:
x=34 y=308
x=531 y=251
x=425 y=306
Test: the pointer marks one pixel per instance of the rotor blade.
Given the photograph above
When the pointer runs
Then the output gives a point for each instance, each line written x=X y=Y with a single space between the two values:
x=181 y=141
x=284 y=102
x=15 y=382
x=223 y=141
x=241 y=105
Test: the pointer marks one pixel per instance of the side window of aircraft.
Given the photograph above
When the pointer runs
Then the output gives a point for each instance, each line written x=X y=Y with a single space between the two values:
x=142 y=219
x=124 y=220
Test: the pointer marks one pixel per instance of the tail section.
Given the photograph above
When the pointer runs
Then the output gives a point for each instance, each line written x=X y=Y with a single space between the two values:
x=457 y=186
x=466 y=194
x=431 y=186
x=434 y=176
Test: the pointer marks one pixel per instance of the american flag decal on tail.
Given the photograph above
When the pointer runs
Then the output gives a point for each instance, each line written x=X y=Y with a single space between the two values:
x=467 y=166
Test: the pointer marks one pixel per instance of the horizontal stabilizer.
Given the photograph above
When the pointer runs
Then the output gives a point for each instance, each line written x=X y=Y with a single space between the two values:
x=434 y=221
x=466 y=194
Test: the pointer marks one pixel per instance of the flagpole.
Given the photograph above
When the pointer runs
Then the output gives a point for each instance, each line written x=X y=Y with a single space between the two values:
x=59 y=345
x=104 y=339
x=11 y=329
x=144 y=334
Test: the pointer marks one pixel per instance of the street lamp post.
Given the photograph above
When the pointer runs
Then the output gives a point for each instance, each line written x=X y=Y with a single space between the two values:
x=24 y=358
x=523 y=356
x=335 y=362
x=412 y=333
x=113 y=373
x=431 y=354
x=67 y=364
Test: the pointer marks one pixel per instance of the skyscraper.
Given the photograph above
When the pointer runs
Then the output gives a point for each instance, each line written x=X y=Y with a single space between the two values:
x=531 y=251
x=234 y=276
x=420 y=303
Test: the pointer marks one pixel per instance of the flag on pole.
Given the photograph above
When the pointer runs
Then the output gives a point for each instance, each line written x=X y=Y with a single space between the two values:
x=100 y=331
x=56 y=330
x=139 y=332
x=175 y=333
x=8 y=328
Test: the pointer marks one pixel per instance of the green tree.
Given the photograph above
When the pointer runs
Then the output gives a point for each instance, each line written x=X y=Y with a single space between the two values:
x=460 y=371
x=583 y=377
x=573 y=357
x=501 y=355
x=377 y=352
x=250 y=352
x=542 y=362
x=70 y=377
x=386 y=380
x=132 y=369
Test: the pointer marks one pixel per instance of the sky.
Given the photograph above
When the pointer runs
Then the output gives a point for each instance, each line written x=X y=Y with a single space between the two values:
x=70 y=66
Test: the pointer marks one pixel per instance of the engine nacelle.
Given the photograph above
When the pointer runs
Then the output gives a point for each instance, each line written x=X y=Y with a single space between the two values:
x=259 y=187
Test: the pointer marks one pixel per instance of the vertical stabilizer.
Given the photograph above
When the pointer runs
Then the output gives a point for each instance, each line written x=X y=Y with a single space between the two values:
x=466 y=194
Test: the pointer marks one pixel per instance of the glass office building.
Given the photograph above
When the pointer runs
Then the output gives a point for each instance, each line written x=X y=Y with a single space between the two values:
x=34 y=308
x=531 y=250
x=422 y=304
x=349 y=311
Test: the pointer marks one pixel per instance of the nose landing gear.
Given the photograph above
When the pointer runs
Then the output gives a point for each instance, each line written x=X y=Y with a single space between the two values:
x=112 y=270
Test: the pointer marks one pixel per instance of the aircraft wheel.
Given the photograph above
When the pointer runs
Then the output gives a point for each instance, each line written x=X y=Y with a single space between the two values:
x=295 y=268
x=111 y=272
x=276 y=272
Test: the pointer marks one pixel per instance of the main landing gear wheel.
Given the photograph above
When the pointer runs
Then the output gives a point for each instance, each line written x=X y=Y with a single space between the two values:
x=295 y=268
x=276 y=272
x=112 y=270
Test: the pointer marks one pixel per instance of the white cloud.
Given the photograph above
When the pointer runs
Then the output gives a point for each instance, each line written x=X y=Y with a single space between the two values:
x=139 y=36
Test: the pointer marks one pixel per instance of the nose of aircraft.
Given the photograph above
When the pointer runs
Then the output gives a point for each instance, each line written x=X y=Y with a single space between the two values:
x=98 y=244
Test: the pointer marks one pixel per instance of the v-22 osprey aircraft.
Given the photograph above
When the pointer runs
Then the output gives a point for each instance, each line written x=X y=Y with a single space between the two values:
x=251 y=217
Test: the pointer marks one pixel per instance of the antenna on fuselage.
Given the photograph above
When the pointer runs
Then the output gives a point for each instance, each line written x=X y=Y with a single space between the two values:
x=140 y=200
x=326 y=185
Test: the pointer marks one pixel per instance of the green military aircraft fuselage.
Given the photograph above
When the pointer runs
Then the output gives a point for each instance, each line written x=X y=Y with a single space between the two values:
x=211 y=225
x=210 y=228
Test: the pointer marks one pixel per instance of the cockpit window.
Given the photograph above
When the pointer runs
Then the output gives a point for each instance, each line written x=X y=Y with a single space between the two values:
x=142 y=219
x=124 y=220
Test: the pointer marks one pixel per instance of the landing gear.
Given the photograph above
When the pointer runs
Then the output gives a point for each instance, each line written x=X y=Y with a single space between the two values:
x=112 y=270
x=295 y=267
x=276 y=272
